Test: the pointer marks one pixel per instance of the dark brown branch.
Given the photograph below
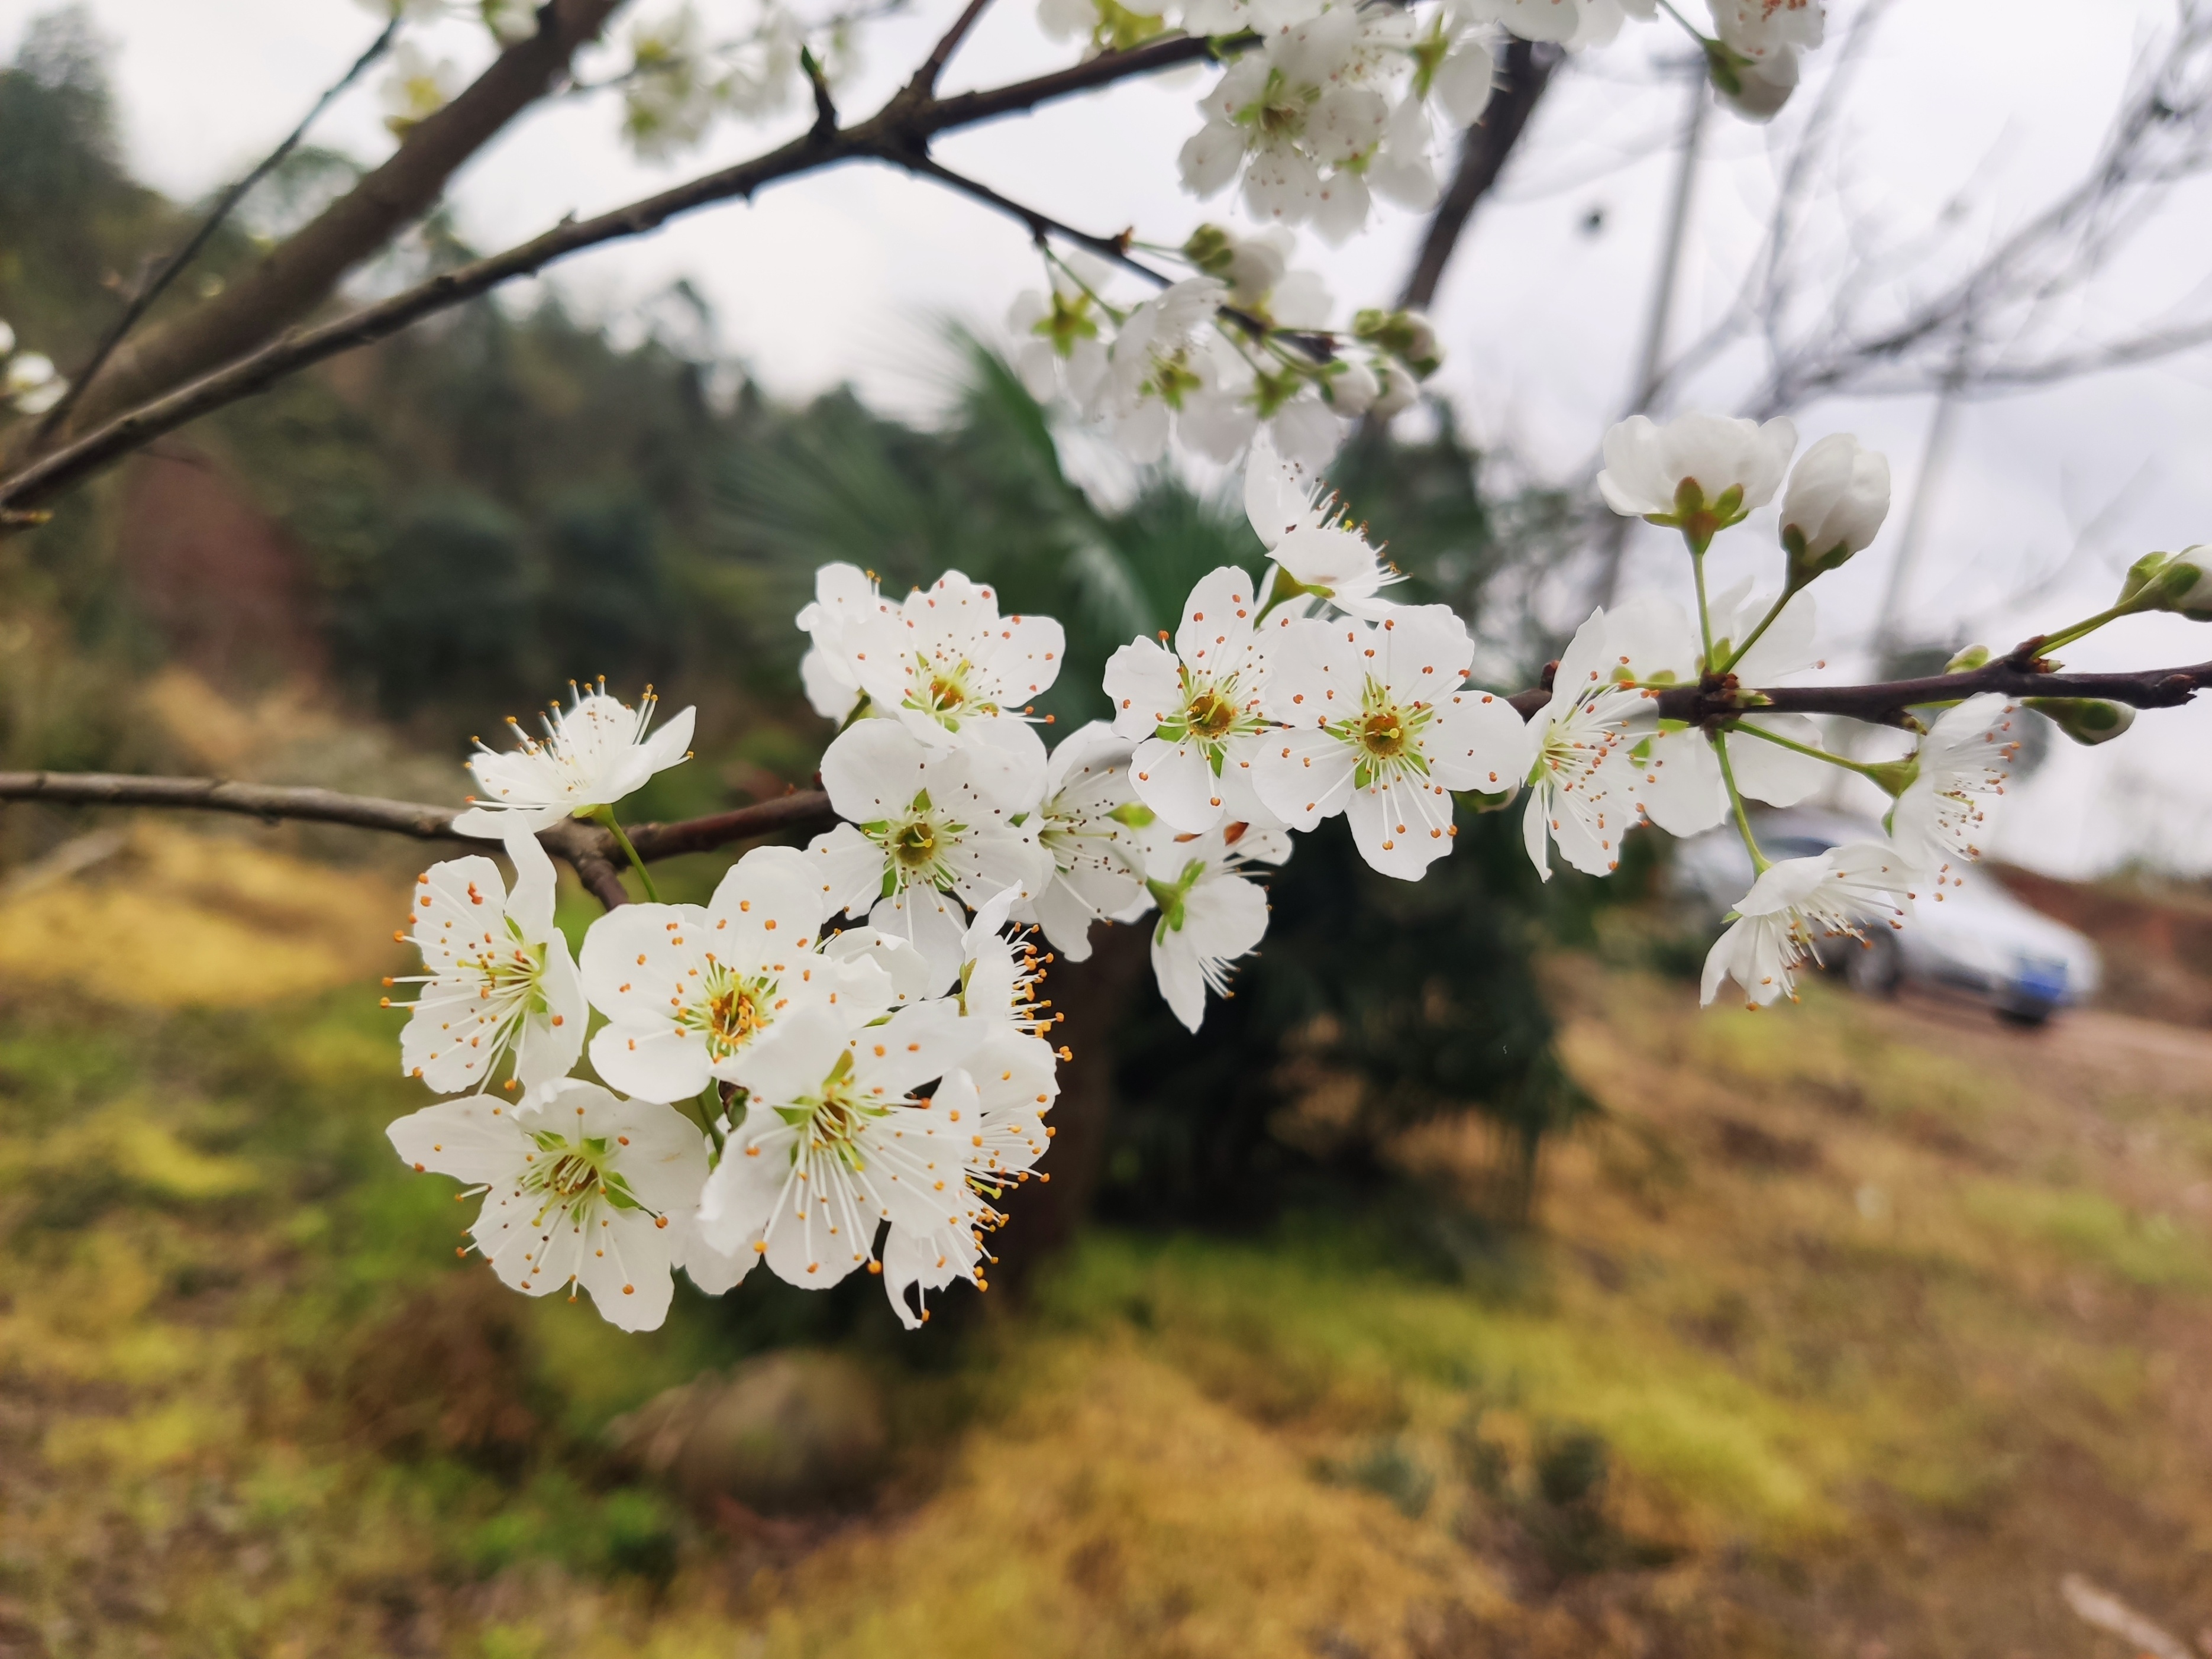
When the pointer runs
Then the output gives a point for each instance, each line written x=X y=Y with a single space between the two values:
x=1528 y=71
x=924 y=84
x=1885 y=704
x=588 y=850
x=301 y=272
x=900 y=130
x=158 y=282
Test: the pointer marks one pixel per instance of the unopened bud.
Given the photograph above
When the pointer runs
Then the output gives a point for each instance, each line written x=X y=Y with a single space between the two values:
x=1352 y=387
x=1405 y=334
x=2089 y=720
x=2171 y=581
x=1837 y=497
x=1973 y=657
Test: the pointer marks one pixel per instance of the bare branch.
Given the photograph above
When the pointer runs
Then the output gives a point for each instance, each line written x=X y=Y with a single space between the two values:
x=924 y=84
x=588 y=850
x=155 y=285
x=1482 y=157
x=898 y=132
x=301 y=273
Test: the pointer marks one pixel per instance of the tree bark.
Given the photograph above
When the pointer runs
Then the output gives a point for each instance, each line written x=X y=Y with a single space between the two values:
x=303 y=271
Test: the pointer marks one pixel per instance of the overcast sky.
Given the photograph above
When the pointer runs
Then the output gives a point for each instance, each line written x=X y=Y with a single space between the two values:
x=841 y=277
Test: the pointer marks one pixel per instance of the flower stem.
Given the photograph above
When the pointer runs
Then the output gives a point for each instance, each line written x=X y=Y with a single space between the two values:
x=1760 y=863
x=606 y=815
x=1863 y=768
x=1751 y=638
x=1705 y=615
x=1696 y=34
x=2087 y=625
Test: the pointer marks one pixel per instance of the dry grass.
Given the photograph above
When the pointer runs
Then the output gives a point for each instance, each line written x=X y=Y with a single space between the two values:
x=1847 y=1330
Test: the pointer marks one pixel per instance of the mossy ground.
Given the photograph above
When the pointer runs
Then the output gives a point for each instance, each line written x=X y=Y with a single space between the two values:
x=1844 y=1330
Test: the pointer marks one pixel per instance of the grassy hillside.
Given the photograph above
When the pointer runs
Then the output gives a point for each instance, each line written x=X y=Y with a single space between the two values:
x=1846 y=1330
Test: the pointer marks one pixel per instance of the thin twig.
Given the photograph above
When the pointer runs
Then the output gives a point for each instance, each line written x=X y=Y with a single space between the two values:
x=153 y=288
x=1528 y=71
x=900 y=130
x=924 y=84
x=585 y=848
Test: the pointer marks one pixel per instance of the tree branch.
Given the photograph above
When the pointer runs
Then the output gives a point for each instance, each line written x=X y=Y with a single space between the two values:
x=924 y=83
x=300 y=274
x=1885 y=704
x=588 y=850
x=157 y=283
x=898 y=132
x=1482 y=155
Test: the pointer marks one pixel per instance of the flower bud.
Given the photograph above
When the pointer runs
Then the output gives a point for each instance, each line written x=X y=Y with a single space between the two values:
x=2089 y=720
x=1838 y=496
x=1352 y=388
x=1973 y=657
x=1399 y=388
x=7 y=339
x=2172 y=582
x=1405 y=334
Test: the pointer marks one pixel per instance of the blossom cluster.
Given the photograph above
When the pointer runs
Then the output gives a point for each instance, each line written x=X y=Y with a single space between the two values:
x=767 y=1088
x=1243 y=347
x=841 y=1061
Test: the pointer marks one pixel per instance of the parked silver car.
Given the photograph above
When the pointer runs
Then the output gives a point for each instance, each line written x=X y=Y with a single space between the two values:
x=1978 y=940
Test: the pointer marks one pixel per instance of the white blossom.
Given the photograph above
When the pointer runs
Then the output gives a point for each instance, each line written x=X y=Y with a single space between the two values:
x=927 y=827
x=1575 y=24
x=835 y=1143
x=1670 y=771
x=1837 y=497
x=1703 y=472
x=580 y=1188
x=502 y=987
x=1087 y=823
x=1165 y=351
x=417 y=86
x=1797 y=903
x=1058 y=343
x=949 y=668
x=1304 y=119
x=1572 y=799
x=1211 y=913
x=1303 y=527
x=685 y=987
x=844 y=597
x=1378 y=725
x=1196 y=715
x=29 y=381
x=1963 y=761
x=594 y=752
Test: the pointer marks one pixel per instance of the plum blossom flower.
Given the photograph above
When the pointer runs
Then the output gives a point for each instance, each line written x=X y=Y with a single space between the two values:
x=1755 y=64
x=1060 y=333
x=1572 y=783
x=1671 y=772
x=835 y=1143
x=844 y=597
x=1165 y=352
x=949 y=668
x=1303 y=526
x=1574 y=24
x=1304 y=119
x=1837 y=497
x=502 y=987
x=1087 y=822
x=416 y=88
x=1795 y=904
x=925 y=827
x=1379 y=725
x=28 y=381
x=581 y=1187
x=994 y=1106
x=1963 y=761
x=1700 y=473
x=1196 y=714
x=594 y=752
x=1211 y=912
x=686 y=988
